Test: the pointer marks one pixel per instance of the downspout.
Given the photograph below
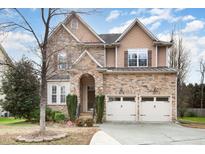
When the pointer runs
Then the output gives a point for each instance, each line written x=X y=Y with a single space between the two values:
x=167 y=56
x=116 y=56
x=105 y=56
x=156 y=56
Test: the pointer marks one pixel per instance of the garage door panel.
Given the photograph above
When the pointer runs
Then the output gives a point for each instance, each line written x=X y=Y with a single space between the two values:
x=155 y=111
x=121 y=111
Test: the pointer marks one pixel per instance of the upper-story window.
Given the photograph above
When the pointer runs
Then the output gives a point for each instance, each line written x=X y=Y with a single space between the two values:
x=138 y=57
x=62 y=61
x=74 y=24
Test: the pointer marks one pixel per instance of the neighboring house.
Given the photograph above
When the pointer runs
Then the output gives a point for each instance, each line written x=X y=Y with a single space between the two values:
x=130 y=69
x=4 y=58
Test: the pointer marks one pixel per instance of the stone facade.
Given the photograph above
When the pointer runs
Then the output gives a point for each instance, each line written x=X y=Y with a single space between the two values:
x=61 y=108
x=85 y=66
x=152 y=84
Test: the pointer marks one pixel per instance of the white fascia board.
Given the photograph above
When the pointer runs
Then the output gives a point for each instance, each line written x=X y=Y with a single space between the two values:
x=90 y=28
x=141 y=25
x=70 y=33
x=83 y=54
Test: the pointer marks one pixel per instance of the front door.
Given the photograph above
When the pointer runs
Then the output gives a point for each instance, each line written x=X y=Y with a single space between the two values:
x=91 y=97
x=87 y=93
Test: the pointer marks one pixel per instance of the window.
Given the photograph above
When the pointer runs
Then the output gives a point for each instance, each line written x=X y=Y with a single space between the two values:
x=114 y=99
x=62 y=61
x=144 y=99
x=163 y=99
x=74 y=24
x=132 y=99
x=62 y=94
x=54 y=94
x=138 y=57
x=57 y=92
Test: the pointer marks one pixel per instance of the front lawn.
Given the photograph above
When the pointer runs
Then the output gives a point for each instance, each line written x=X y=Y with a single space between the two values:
x=193 y=122
x=10 y=128
x=11 y=121
x=200 y=120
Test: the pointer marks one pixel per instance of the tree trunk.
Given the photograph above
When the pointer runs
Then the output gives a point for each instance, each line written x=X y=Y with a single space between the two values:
x=43 y=100
x=202 y=95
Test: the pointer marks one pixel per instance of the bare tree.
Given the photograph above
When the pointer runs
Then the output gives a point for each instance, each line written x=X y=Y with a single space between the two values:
x=202 y=72
x=47 y=16
x=180 y=60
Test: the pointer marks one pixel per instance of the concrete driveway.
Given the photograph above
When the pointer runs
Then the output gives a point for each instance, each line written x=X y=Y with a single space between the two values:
x=143 y=134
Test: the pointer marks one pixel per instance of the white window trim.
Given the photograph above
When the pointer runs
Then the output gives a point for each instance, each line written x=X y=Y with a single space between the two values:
x=137 y=50
x=58 y=94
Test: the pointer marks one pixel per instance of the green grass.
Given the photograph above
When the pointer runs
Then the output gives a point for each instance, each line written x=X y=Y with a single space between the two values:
x=200 y=120
x=11 y=121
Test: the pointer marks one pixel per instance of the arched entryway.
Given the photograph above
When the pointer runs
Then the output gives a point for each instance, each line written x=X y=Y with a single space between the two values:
x=87 y=93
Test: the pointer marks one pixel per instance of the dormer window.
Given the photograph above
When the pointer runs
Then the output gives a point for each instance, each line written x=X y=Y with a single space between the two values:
x=62 y=61
x=74 y=24
x=138 y=57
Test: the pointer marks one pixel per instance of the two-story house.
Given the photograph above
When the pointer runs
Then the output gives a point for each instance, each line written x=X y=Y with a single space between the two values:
x=4 y=59
x=130 y=69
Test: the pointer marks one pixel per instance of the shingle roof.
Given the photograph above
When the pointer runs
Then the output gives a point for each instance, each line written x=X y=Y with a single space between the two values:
x=60 y=77
x=109 y=38
x=139 y=69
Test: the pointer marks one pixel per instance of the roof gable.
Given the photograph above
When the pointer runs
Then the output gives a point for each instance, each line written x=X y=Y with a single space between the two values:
x=89 y=55
x=142 y=26
x=85 y=32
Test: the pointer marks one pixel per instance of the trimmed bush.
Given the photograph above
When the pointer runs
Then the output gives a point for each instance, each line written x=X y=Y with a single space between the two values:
x=72 y=106
x=99 y=108
x=59 y=117
x=80 y=122
x=89 y=122
x=190 y=114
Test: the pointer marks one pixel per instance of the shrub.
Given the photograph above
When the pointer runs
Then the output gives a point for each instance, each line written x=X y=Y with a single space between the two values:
x=53 y=113
x=59 y=117
x=89 y=122
x=72 y=106
x=35 y=115
x=190 y=114
x=80 y=122
x=99 y=107
x=49 y=114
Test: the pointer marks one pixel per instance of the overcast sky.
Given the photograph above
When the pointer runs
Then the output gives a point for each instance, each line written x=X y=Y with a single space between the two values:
x=190 y=22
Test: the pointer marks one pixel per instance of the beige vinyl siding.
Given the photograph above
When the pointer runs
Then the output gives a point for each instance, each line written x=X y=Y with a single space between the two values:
x=110 y=57
x=161 y=56
x=135 y=38
x=82 y=32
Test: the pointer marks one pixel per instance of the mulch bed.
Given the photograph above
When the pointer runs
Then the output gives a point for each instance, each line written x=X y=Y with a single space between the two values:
x=76 y=136
x=194 y=125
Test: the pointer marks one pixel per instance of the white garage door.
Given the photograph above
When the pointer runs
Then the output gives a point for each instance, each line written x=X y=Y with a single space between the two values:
x=155 y=109
x=121 y=109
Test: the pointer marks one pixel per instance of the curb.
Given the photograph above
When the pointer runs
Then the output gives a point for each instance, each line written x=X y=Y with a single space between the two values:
x=101 y=138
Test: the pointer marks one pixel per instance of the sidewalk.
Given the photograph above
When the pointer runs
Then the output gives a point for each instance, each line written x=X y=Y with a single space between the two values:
x=101 y=138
